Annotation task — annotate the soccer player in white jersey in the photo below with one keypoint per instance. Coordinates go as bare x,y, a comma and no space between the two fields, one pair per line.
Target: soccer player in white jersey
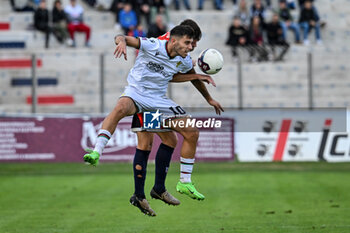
157,63
169,141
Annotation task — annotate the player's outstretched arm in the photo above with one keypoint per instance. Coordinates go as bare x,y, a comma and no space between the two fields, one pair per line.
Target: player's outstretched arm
122,41
179,78
199,85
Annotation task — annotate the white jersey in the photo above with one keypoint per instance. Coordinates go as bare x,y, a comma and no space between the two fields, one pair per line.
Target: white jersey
154,68
74,13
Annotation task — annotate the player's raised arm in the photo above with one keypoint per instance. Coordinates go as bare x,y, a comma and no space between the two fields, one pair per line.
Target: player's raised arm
199,85
122,41
179,77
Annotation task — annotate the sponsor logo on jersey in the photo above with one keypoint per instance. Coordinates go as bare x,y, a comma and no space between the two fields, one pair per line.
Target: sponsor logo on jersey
152,66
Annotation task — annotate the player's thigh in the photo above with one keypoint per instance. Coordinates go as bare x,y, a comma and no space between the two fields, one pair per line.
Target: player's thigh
125,107
144,140
168,138
185,126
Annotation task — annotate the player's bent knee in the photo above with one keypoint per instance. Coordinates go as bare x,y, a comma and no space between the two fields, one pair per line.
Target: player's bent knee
170,142
144,146
191,135
169,139
144,141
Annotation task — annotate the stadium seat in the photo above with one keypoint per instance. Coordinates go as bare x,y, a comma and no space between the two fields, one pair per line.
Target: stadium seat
42,81
54,99
17,63
4,26
12,45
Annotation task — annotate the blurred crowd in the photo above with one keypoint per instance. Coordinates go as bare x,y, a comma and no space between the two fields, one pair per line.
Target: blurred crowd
262,38
136,18
251,31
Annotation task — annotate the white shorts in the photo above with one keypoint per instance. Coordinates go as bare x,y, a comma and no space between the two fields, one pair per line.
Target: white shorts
145,103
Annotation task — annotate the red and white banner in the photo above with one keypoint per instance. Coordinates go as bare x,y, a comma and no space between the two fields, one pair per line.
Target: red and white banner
64,139
293,140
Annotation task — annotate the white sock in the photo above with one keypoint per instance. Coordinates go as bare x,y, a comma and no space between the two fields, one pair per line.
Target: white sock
186,168
102,140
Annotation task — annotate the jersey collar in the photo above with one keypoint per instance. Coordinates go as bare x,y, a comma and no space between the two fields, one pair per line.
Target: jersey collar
167,52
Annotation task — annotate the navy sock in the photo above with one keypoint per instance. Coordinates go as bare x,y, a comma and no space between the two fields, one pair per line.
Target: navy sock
140,166
163,158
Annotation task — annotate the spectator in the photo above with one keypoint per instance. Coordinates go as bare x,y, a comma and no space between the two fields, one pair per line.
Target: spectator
41,21
243,13
301,5
74,14
186,2
302,2
91,3
158,7
29,5
158,28
217,4
128,18
59,21
258,9
116,7
287,22
142,9
290,4
309,19
234,2
237,36
256,39
138,32
275,38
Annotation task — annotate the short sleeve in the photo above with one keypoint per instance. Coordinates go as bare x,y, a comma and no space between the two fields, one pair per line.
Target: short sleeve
148,44
187,65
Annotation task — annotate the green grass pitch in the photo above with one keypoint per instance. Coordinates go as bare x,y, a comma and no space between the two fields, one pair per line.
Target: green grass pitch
240,197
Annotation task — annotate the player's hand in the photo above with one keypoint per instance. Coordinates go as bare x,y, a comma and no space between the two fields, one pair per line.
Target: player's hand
216,105
120,50
207,79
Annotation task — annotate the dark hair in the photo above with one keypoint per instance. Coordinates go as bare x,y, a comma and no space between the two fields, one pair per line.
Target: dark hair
195,27
182,30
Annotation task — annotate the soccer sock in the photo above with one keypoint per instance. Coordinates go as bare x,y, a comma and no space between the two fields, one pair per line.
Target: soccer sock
140,166
102,140
163,158
186,168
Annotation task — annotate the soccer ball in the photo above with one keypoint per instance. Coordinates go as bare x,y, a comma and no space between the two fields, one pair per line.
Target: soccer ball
210,61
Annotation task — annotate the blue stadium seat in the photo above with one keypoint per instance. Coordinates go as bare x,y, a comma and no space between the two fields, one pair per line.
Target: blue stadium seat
12,45
28,81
